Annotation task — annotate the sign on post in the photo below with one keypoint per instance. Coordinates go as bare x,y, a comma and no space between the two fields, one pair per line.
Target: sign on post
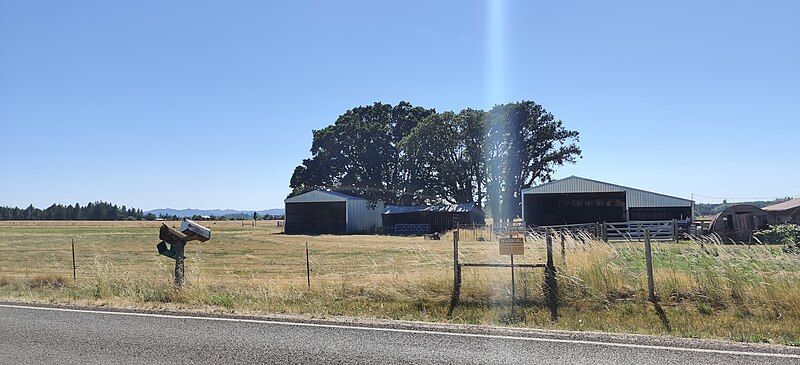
512,246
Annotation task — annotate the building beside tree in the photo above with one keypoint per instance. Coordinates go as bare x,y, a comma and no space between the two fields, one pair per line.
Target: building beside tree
325,211
422,219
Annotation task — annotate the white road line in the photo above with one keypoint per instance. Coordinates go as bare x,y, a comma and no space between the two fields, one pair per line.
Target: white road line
426,332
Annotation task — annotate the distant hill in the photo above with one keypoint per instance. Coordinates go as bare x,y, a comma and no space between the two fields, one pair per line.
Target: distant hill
231,213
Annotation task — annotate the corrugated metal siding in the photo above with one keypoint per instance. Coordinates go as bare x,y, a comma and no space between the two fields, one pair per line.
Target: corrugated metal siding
319,196
636,198
363,216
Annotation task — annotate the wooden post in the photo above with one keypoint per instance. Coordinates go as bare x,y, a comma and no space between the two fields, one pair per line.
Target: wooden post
308,268
550,284
597,231
456,276
648,257
74,268
605,232
455,256
563,248
179,273
675,231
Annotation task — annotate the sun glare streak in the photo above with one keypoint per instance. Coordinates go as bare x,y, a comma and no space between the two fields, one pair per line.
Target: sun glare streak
495,72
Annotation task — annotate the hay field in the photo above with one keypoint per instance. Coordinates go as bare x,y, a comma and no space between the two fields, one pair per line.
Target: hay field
744,293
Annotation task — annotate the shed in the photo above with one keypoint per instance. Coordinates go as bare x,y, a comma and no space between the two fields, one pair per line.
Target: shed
738,222
576,199
324,211
786,212
417,219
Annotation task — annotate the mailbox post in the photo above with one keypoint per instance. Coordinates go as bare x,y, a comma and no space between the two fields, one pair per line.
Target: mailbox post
173,244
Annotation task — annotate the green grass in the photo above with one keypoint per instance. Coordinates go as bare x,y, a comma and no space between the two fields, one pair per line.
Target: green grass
742,293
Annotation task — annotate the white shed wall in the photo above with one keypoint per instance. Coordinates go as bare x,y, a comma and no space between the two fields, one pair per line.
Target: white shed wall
362,216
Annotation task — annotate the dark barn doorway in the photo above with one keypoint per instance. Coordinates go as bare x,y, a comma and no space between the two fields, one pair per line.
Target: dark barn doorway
571,208
316,218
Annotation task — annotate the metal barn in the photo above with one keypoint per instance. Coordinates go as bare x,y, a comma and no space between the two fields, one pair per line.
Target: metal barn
418,219
329,212
576,199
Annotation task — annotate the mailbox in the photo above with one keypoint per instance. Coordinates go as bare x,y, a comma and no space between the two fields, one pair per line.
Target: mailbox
171,235
194,231
172,242
167,250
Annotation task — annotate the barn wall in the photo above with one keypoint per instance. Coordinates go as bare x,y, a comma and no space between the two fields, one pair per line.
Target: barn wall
363,216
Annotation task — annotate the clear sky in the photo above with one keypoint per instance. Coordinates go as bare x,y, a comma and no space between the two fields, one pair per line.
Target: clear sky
211,104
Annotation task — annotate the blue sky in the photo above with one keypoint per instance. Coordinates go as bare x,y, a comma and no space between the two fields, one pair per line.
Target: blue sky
211,104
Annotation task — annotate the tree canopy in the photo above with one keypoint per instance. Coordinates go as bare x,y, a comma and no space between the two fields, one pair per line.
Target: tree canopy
413,155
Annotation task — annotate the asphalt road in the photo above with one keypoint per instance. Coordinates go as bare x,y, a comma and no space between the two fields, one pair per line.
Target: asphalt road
30,335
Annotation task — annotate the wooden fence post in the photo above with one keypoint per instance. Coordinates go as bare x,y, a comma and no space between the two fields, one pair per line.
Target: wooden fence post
563,248
675,230
179,264
648,257
597,234
550,284
456,276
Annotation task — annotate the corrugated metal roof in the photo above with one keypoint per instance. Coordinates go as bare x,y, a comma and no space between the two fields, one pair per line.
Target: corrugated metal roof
787,205
450,208
636,198
321,195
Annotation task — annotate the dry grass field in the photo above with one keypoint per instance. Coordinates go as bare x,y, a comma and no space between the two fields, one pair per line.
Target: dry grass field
743,293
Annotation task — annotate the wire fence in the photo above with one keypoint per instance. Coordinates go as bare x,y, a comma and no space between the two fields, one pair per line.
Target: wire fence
261,259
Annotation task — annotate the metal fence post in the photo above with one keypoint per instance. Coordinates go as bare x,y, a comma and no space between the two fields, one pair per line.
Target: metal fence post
308,268
513,289
648,256
74,268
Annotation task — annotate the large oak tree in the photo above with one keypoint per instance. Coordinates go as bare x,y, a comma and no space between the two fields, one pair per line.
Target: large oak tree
411,155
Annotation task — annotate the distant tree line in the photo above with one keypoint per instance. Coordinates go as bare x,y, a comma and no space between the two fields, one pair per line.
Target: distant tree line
97,211
710,209
413,155
102,211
